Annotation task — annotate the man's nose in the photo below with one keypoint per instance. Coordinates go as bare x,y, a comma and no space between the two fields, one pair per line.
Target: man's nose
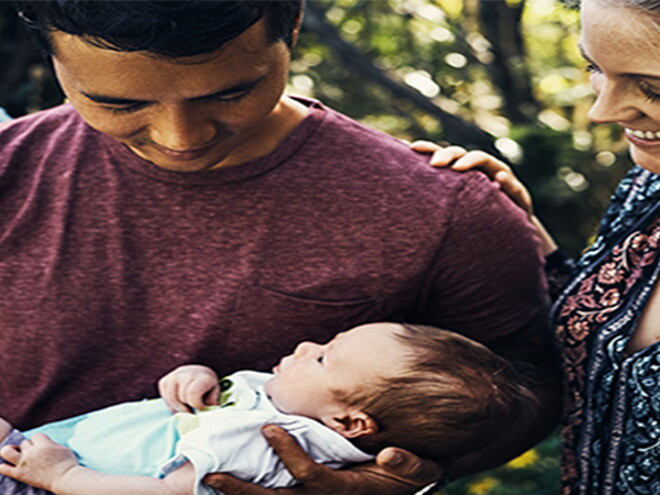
182,128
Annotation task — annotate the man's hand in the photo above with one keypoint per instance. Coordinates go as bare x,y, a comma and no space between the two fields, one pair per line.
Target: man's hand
396,472
189,387
38,462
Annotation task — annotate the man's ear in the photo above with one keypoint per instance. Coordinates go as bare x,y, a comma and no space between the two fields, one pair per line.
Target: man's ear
352,424
298,25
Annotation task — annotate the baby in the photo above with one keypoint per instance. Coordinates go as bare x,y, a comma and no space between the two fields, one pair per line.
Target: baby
430,391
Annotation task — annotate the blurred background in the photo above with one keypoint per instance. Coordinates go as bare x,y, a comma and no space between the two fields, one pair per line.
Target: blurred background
500,75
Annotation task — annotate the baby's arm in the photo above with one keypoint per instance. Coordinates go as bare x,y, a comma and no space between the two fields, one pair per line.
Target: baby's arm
42,463
191,386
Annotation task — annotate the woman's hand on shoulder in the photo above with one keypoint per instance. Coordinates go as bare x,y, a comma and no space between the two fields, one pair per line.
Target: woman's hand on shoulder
395,472
461,160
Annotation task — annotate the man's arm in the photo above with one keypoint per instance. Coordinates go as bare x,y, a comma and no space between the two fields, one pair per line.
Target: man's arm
533,352
395,472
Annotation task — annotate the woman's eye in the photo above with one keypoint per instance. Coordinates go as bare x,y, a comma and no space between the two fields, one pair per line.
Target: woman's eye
651,94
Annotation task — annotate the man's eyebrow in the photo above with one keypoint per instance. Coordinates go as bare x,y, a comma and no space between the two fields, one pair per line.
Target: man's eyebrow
113,100
110,100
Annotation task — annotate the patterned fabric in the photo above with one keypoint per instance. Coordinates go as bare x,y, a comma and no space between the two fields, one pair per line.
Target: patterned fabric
611,430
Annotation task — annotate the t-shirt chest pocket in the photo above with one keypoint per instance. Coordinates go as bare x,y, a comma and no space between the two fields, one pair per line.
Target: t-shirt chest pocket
272,323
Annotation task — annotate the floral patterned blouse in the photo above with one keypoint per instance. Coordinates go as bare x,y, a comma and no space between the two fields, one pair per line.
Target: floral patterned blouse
611,431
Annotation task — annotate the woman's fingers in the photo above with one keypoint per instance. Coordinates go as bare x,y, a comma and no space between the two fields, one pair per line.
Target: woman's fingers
443,153
422,146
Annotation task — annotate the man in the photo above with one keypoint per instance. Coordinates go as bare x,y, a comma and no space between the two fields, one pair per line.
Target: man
183,209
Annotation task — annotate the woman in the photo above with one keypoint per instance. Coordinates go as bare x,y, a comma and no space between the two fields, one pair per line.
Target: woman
607,314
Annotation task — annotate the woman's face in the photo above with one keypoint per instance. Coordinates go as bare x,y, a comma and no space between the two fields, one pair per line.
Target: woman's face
622,47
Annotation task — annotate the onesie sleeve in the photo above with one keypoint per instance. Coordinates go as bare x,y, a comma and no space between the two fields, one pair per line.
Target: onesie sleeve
487,278
230,441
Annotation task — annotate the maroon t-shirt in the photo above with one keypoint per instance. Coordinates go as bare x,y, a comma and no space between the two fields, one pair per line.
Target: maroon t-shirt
114,271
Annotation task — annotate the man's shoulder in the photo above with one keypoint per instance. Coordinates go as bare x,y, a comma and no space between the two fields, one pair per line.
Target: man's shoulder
344,145
347,135
40,124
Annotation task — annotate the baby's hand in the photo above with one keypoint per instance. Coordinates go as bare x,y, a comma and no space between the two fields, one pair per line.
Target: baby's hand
190,387
38,462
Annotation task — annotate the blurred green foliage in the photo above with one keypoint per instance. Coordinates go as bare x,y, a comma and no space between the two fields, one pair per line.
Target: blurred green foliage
449,52
533,473
509,69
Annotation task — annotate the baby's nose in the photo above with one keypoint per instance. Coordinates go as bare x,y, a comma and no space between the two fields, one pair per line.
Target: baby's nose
303,349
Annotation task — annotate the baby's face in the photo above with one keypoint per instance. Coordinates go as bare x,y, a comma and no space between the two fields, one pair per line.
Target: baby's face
306,382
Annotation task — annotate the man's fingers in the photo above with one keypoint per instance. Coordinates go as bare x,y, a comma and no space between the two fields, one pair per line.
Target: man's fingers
232,486
407,466
296,460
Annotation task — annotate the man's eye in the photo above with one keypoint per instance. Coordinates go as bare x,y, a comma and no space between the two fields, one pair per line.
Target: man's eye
231,97
127,109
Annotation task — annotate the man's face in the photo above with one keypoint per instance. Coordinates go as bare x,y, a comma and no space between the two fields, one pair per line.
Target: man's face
190,114
307,382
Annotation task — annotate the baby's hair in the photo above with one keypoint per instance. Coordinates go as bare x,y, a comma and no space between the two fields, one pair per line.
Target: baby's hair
456,397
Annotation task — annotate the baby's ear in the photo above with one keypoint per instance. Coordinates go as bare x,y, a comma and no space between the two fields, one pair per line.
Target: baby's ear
352,424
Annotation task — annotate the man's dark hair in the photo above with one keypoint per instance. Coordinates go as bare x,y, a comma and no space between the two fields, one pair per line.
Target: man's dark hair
166,28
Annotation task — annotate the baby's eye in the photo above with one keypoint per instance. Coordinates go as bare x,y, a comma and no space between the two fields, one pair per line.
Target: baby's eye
320,359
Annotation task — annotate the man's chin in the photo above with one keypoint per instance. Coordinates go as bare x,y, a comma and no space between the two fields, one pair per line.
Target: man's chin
188,167
202,164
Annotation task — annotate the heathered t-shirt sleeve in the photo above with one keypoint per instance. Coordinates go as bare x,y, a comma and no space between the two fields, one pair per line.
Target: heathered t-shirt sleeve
486,280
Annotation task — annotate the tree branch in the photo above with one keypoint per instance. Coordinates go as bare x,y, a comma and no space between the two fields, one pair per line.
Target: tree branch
456,129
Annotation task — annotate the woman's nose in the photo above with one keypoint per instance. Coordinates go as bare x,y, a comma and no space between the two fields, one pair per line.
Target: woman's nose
615,102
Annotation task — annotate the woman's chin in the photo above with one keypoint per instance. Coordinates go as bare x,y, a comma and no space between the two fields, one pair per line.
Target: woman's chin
650,160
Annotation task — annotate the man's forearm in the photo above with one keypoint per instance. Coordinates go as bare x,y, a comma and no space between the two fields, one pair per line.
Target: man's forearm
533,352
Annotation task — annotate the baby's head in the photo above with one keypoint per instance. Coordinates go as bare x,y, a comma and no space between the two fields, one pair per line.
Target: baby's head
430,391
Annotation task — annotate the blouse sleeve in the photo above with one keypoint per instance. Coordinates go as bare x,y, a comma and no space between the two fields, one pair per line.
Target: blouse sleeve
559,270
